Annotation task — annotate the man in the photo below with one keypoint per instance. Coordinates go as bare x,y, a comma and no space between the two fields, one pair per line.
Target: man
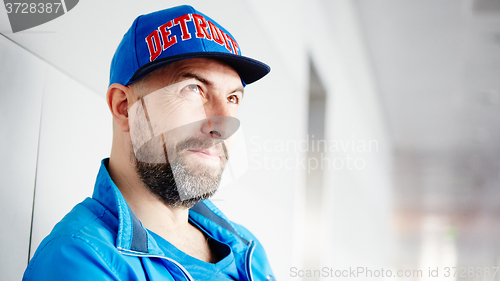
176,80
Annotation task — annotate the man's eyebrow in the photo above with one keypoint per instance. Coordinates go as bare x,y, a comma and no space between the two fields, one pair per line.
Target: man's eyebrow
240,89
197,77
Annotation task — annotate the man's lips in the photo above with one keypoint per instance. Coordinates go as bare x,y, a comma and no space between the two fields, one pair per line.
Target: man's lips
209,153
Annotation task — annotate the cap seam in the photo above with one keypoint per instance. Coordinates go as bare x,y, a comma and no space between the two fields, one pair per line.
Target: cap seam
193,11
135,46
202,41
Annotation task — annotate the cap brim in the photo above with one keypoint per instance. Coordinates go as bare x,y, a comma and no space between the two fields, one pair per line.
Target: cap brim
250,70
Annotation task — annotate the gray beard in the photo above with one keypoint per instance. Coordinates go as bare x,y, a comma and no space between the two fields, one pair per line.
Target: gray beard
178,184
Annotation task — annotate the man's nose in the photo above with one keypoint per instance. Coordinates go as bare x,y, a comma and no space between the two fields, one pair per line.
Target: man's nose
222,127
217,107
220,124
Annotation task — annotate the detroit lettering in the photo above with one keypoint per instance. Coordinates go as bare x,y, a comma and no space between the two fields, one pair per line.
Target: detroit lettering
204,29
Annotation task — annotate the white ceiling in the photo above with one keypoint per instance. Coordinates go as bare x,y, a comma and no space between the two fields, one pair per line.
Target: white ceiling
438,68
437,63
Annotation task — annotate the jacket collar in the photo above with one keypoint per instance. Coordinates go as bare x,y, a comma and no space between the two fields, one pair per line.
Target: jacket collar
133,238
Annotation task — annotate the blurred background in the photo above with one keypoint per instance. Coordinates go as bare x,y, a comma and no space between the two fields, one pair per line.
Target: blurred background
372,145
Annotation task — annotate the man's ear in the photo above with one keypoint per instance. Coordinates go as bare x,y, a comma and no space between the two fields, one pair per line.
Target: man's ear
118,98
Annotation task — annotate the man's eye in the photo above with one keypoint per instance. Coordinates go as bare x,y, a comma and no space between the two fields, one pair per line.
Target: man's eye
234,99
193,87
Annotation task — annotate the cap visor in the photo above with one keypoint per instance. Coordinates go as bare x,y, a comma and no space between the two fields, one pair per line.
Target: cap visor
250,70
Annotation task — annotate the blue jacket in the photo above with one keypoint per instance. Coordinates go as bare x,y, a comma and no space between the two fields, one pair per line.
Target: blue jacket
101,239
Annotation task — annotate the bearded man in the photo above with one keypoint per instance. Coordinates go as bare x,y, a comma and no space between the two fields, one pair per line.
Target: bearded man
177,79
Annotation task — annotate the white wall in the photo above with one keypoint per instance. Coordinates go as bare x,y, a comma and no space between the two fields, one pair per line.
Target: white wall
357,203
267,199
53,135
75,134
20,112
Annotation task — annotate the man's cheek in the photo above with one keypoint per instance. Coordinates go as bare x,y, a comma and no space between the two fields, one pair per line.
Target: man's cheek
228,144
169,112
171,117
140,132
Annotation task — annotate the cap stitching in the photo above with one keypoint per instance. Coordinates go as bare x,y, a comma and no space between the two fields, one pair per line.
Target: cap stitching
135,45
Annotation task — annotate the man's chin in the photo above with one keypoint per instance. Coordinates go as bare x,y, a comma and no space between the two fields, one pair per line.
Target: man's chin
207,172
188,203
180,185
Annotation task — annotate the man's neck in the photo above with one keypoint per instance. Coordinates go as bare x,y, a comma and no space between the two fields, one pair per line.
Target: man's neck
151,211
170,223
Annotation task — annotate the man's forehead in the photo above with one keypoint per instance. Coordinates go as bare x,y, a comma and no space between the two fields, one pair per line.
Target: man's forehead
205,70
200,66
201,69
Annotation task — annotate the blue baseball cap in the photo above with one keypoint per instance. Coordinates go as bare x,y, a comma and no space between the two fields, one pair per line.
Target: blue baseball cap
160,38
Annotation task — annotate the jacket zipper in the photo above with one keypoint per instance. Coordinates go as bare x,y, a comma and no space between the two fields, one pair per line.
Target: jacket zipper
186,273
248,260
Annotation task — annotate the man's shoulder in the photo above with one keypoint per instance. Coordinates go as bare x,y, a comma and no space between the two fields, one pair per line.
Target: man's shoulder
73,257
85,219
88,222
86,233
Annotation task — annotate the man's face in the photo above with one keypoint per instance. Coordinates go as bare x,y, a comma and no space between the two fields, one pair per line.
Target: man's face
180,126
